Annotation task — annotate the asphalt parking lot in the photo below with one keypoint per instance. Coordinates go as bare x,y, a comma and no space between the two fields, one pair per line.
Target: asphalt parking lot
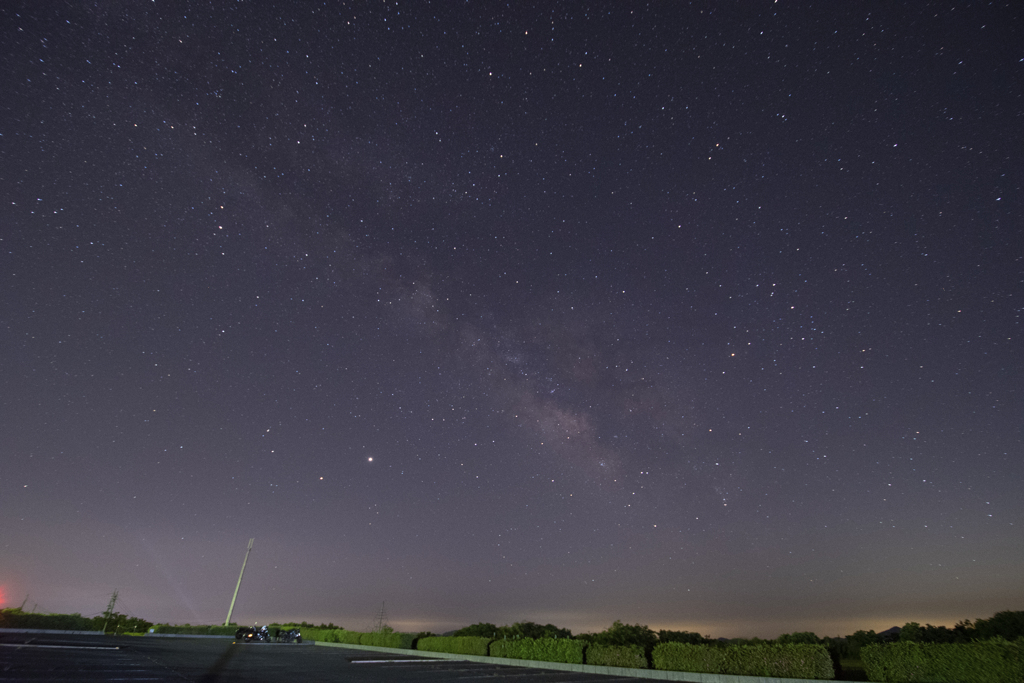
80,658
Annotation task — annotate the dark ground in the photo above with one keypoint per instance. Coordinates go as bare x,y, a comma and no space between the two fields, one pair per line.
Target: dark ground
75,658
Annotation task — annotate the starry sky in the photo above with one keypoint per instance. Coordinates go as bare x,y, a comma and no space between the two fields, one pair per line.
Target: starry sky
702,315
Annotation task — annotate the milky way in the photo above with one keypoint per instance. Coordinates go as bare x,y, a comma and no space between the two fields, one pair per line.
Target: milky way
695,316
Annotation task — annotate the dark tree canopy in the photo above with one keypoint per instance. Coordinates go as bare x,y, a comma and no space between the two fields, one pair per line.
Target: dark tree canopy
683,637
520,629
624,634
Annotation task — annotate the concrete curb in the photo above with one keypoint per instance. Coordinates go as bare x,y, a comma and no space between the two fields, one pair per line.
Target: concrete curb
654,674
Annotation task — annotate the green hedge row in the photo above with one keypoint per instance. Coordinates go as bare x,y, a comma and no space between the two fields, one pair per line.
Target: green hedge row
990,661
540,649
458,645
188,629
340,635
777,661
629,656
15,618
781,661
403,641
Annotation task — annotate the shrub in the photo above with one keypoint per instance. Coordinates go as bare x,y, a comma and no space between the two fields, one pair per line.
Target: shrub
459,645
629,656
540,649
705,659
198,630
340,635
777,661
223,630
392,639
529,629
990,661
15,618
520,629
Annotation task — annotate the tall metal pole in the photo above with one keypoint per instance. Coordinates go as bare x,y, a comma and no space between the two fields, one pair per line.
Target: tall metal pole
239,584
109,612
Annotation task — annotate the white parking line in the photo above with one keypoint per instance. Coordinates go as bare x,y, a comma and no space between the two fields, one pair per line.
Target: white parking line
62,647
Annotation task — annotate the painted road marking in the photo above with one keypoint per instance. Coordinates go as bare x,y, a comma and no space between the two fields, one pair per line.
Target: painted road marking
63,647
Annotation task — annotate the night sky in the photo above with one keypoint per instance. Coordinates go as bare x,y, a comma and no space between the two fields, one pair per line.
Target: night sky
705,316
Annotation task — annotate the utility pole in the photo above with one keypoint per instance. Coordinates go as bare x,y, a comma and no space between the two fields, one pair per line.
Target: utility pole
382,620
109,611
239,584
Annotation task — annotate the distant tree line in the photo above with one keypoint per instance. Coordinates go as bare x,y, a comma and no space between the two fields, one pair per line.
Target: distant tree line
520,629
14,617
306,624
617,634
1008,625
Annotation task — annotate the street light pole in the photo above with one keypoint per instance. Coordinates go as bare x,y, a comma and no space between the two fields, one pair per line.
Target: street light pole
239,584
